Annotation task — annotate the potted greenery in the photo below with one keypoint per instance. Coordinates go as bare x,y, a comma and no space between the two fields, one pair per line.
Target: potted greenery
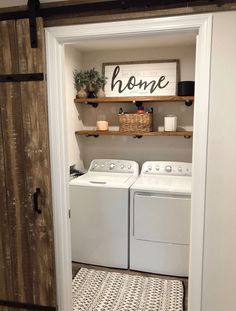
96,81
80,83
89,83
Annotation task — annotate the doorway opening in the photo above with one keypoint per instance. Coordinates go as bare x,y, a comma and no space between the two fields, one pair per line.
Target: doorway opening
91,244
64,41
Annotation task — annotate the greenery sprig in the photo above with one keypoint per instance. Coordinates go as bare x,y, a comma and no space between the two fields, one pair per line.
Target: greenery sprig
91,80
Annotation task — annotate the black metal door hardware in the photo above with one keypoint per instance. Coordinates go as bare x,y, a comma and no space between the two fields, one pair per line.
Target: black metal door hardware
22,77
33,6
27,306
103,7
36,201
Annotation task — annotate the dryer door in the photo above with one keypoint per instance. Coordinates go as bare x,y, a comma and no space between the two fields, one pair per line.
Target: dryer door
162,218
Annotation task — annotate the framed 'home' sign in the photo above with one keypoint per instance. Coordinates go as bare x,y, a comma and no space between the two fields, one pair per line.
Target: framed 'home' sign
146,78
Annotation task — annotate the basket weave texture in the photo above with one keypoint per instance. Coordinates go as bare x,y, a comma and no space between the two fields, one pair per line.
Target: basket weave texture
136,122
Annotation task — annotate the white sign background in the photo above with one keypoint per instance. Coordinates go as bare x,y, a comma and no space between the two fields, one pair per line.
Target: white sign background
145,71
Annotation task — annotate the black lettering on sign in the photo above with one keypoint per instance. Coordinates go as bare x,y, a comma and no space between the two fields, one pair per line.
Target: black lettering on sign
162,78
132,82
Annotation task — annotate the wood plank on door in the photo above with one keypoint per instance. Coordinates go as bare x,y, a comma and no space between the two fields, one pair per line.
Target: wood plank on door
8,48
30,60
5,255
37,168
8,64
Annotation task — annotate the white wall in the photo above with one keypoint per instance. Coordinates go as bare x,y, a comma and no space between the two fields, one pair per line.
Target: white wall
73,60
147,148
219,287
186,55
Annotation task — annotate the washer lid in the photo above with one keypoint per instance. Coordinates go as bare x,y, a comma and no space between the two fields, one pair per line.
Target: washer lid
164,183
104,179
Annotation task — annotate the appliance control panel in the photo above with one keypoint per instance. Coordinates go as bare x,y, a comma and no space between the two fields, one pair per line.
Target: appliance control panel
114,166
167,168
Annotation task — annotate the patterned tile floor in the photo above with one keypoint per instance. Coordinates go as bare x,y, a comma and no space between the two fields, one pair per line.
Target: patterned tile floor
76,266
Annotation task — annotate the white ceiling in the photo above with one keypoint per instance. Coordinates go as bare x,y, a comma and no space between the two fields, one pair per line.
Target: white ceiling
140,41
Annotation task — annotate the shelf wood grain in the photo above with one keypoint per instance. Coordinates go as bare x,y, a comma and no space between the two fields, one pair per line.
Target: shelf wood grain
135,99
118,133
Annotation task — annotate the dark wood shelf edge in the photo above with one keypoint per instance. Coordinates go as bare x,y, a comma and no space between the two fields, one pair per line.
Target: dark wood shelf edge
118,133
135,99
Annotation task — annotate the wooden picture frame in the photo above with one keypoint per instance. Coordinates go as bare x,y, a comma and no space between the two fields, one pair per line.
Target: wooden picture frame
141,78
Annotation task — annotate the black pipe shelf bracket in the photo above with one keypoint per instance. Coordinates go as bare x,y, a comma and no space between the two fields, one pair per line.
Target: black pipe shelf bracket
94,105
92,135
33,7
188,103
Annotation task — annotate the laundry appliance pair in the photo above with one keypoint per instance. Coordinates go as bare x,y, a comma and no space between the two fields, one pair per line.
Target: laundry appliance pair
125,220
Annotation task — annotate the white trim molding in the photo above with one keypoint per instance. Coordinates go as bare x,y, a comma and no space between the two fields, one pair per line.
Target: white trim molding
56,37
200,147
59,171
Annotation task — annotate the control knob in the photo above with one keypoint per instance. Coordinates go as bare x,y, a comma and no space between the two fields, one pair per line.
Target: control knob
129,167
112,165
168,168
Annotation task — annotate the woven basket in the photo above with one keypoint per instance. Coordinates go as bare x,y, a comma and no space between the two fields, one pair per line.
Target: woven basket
136,122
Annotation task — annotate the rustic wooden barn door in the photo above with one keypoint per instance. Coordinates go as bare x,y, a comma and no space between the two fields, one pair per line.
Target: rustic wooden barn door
27,274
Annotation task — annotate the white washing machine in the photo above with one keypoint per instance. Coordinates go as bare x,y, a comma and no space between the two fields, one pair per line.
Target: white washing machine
100,213
160,203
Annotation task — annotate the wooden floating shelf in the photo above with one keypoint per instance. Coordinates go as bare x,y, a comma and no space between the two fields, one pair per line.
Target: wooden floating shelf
135,99
136,134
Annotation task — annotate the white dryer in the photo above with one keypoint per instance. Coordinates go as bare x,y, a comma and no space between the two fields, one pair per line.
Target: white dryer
100,213
160,203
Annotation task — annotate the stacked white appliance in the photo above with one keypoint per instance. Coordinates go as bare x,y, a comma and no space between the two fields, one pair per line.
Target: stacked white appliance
160,207
100,213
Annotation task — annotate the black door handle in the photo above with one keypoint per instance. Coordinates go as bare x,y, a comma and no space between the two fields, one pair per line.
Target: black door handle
36,203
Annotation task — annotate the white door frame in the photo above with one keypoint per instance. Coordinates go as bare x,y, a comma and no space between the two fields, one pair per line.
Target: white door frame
56,37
